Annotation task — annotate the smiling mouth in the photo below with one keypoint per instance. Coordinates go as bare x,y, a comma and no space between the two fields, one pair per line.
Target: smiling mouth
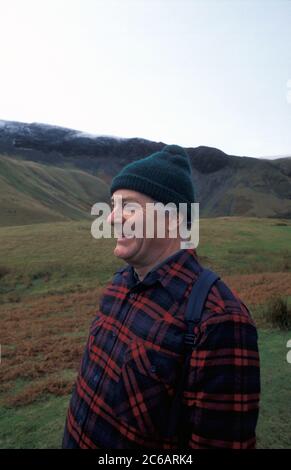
126,238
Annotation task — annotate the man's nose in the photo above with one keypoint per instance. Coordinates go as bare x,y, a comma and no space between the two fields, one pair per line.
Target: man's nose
115,216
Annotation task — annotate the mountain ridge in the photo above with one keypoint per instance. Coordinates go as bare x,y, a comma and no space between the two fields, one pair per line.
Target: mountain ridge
225,185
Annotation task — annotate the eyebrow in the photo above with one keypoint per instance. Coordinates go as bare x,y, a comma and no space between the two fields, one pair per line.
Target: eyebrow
124,199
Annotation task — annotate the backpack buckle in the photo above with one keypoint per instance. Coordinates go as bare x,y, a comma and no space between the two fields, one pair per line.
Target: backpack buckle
190,340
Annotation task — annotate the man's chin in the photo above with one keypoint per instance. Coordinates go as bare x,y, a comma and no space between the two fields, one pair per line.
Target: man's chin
124,248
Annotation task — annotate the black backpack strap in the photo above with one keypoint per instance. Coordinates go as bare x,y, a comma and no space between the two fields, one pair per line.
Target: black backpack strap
196,303
193,316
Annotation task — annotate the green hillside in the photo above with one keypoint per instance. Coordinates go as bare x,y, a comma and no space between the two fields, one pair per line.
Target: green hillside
33,192
225,185
245,187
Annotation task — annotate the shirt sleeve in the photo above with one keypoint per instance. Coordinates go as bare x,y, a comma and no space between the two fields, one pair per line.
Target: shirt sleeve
222,390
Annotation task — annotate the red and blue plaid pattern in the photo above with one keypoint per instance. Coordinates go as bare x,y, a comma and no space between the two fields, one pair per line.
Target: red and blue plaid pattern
133,356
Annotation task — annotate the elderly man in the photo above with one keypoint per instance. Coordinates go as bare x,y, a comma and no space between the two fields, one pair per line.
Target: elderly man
134,355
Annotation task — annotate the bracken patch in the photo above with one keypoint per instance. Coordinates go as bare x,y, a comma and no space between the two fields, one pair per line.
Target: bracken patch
45,336
42,337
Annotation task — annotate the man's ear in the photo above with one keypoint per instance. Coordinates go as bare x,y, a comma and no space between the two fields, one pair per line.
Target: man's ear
175,221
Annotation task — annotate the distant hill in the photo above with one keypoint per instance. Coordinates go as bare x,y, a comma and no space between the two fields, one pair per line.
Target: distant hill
54,173
33,192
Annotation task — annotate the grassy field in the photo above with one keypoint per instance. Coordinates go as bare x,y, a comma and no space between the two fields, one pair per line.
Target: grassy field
51,279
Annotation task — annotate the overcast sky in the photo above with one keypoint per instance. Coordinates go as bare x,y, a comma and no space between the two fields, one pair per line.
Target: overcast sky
186,72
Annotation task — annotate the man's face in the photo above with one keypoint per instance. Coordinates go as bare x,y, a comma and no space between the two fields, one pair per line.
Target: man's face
134,250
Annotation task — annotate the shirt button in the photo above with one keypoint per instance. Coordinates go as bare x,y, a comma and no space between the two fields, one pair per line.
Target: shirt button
132,295
113,334
153,369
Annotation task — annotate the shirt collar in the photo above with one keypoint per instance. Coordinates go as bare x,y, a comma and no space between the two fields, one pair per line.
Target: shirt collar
175,273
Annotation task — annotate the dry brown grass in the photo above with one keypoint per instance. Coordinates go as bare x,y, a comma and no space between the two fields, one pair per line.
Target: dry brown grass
42,338
258,288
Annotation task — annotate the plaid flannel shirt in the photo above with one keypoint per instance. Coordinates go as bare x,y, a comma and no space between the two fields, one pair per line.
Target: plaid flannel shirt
134,352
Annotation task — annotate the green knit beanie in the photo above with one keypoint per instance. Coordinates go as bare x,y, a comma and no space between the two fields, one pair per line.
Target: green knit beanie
165,176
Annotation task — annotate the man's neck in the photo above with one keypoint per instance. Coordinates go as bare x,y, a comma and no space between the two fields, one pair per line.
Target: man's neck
142,271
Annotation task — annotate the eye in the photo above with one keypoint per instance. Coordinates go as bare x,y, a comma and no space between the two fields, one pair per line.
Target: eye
129,206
